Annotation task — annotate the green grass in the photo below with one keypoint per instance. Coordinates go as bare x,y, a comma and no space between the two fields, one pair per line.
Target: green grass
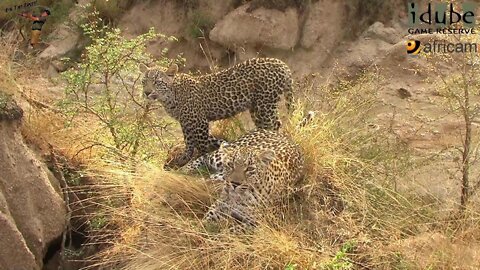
199,25
341,261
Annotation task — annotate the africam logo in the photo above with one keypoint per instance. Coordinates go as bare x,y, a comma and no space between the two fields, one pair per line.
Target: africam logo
414,47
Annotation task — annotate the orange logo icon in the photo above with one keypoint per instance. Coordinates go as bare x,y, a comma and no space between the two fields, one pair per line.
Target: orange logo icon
413,46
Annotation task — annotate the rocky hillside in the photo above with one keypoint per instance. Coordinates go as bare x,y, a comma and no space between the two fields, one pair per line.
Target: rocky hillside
308,36
32,210
311,36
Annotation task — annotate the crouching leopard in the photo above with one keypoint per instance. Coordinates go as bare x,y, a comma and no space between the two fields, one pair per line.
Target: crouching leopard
255,85
257,171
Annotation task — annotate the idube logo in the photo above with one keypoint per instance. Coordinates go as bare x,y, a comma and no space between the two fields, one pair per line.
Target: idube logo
441,18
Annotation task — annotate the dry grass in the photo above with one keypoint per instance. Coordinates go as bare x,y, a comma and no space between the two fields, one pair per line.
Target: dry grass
344,201
8,42
163,230
345,214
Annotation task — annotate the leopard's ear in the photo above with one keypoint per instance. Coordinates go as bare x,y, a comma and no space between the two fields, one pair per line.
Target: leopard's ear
143,68
266,157
172,70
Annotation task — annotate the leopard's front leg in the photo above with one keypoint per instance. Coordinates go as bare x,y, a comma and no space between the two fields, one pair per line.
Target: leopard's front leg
189,137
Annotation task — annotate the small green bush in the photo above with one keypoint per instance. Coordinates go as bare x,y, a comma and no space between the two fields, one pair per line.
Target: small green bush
106,86
341,261
200,25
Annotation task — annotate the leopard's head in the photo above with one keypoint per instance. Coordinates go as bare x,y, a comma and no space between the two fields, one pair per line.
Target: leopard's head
157,83
241,167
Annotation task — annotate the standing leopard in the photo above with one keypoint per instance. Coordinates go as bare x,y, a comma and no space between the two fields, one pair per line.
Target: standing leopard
255,85
257,171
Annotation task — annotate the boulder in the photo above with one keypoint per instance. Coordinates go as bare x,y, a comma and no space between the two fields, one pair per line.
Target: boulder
9,110
66,42
32,211
380,32
264,27
323,25
214,9
164,16
59,66
66,38
14,251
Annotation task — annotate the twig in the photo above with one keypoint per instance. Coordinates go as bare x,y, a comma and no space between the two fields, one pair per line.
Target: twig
85,148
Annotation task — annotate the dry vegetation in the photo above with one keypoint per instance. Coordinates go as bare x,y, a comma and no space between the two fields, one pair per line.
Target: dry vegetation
346,214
